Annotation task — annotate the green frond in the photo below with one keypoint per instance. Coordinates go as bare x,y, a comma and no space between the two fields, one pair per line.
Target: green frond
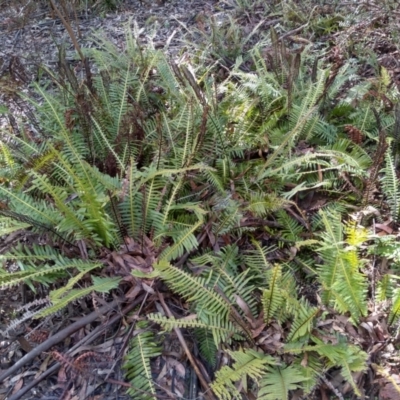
34,210
394,314
193,289
311,372
257,259
390,186
207,346
261,204
350,358
229,215
9,225
248,363
131,205
353,361
34,253
222,330
291,229
224,274
344,355
272,298
385,288
183,241
142,348
41,264
347,152
43,275
342,281
303,322
279,380
101,138
176,186
302,119
101,285
59,196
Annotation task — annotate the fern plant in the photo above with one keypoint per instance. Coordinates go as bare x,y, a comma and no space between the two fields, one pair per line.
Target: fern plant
344,285
390,186
142,348
203,176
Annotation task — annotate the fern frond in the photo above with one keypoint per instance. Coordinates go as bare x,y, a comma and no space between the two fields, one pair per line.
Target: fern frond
272,298
222,331
9,225
348,357
102,285
384,289
291,229
257,259
302,324
193,288
340,276
394,314
390,186
207,346
184,241
278,381
260,204
248,363
142,348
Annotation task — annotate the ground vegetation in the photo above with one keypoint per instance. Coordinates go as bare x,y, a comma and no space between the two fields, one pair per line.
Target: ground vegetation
225,219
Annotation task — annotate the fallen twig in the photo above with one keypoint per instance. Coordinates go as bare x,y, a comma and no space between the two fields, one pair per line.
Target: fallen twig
58,337
85,341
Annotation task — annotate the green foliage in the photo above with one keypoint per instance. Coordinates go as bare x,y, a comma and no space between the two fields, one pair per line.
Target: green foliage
348,357
278,382
344,286
390,186
247,363
142,348
395,310
209,180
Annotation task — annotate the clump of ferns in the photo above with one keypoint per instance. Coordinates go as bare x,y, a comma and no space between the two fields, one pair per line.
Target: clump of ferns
223,292
156,199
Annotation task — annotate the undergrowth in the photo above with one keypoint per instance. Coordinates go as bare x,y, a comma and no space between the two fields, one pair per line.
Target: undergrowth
229,188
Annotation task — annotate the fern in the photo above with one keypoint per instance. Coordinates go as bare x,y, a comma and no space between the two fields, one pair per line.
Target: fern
348,357
395,309
273,298
247,364
343,283
278,381
207,346
221,330
62,298
44,273
302,324
291,229
193,289
194,173
142,348
390,186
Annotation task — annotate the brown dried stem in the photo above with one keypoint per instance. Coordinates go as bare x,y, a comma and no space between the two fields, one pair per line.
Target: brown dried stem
69,30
